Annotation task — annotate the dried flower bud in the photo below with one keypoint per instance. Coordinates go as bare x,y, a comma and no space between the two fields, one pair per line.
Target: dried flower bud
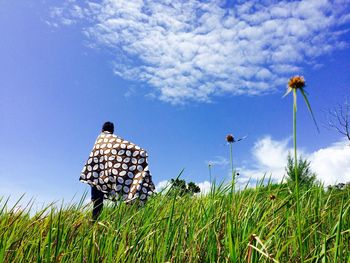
296,82
229,138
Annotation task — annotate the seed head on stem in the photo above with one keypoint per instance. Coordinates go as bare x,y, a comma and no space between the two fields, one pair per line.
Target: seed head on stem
230,138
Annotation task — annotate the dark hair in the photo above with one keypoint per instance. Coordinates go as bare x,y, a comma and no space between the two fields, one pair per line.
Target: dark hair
108,126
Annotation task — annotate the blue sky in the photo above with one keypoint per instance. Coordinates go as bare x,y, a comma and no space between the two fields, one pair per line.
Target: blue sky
175,79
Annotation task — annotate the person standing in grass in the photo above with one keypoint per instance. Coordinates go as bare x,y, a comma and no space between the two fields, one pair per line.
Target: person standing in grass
116,169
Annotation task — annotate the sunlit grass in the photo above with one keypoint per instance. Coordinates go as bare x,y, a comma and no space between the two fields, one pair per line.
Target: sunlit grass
187,229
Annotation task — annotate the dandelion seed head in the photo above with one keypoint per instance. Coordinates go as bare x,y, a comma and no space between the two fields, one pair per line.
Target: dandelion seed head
230,138
296,82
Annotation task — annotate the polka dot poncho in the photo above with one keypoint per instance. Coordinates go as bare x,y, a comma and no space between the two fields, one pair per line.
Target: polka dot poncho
119,169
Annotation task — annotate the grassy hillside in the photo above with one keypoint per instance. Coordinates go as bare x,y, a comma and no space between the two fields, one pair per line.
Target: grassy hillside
256,225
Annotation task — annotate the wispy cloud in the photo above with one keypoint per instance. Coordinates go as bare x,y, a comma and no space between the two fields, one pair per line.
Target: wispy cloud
218,161
165,185
331,164
193,50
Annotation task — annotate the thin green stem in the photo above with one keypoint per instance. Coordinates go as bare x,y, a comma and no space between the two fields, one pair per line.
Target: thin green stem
297,194
232,172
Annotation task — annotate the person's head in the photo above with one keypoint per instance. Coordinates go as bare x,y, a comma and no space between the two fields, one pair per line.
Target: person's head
108,126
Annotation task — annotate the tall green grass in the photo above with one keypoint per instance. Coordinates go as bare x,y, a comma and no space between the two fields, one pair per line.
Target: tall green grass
186,229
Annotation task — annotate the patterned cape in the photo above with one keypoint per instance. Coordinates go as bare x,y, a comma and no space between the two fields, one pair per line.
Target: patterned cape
119,169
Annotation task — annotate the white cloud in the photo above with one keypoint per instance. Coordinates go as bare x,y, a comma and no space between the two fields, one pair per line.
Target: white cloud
165,185
193,50
205,187
162,185
331,164
218,161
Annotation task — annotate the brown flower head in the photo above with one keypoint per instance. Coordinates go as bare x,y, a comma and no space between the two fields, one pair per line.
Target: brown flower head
272,197
296,82
229,138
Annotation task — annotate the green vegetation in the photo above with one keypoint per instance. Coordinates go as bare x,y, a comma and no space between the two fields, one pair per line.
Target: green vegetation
306,177
180,187
170,228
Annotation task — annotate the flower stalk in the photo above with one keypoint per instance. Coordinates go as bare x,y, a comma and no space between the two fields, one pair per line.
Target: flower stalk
298,83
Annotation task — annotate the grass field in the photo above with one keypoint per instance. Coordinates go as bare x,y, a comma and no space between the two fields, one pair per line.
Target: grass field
255,225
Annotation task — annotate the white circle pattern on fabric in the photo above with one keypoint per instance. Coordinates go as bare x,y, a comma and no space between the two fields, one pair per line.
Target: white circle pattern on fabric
128,182
112,179
116,165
